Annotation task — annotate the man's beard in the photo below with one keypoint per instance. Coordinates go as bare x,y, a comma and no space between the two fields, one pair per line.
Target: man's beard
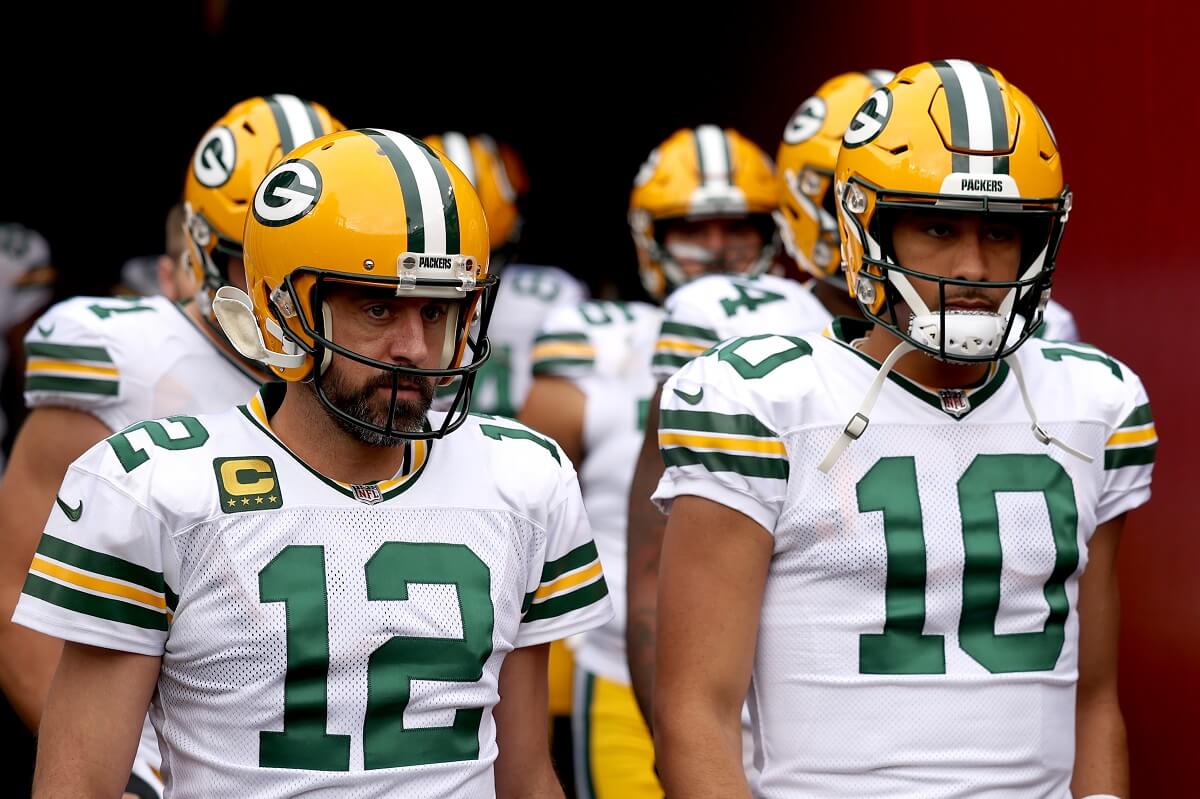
363,403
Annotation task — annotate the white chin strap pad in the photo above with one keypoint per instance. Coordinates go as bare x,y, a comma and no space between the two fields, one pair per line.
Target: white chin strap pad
235,315
966,333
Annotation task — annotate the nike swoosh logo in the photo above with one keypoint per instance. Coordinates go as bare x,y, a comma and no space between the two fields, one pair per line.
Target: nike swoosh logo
690,399
46,331
72,513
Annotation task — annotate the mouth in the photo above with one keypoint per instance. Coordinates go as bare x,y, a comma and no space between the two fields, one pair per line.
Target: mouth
970,306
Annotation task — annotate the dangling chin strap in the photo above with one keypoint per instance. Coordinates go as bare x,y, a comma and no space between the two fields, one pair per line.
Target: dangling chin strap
1038,432
858,423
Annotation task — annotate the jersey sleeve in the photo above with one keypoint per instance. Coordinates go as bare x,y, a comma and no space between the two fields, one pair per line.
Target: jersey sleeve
99,574
564,347
716,441
1128,453
687,331
566,592
73,360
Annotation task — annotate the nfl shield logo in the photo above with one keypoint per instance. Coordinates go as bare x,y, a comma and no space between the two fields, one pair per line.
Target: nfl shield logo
954,401
368,494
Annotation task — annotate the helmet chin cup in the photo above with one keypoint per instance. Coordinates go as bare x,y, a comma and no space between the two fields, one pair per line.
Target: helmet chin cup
235,314
967,335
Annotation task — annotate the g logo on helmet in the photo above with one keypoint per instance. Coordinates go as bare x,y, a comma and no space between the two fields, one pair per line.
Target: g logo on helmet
806,122
870,119
215,157
289,192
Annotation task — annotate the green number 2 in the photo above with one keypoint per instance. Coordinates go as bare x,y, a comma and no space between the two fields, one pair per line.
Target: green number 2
296,577
132,457
891,486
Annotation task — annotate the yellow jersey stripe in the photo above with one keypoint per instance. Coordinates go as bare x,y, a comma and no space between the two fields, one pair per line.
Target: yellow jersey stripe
107,587
759,445
568,581
671,344
48,366
1144,436
563,350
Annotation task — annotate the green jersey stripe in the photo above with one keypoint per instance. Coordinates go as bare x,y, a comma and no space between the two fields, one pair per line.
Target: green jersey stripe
1138,417
687,331
98,606
73,385
579,556
73,352
572,337
741,424
745,465
566,603
99,563
553,365
1135,456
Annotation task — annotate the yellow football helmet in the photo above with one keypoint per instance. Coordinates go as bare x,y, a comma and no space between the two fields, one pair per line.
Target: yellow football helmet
373,208
953,136
480,159
804,166
699,173
227,166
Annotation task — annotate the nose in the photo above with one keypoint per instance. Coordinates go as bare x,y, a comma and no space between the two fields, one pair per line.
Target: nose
969,257
406,336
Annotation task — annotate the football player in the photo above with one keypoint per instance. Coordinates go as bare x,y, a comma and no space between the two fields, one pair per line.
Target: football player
725,306
700,204
330,589
883,533
97,365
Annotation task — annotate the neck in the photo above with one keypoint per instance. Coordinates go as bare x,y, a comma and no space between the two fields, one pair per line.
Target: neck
920,367
192,311
303,424
837,301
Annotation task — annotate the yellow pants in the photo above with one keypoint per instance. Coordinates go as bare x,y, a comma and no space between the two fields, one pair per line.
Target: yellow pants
614,754
559,670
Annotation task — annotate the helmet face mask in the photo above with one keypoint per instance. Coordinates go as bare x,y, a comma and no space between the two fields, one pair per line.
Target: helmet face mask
374,209
458,340
896,160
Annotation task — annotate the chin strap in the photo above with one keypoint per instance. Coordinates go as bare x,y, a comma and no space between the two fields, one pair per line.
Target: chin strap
1039,433
859,421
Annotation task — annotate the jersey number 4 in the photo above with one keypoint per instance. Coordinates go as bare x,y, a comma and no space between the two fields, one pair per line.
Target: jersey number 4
902,648
296,577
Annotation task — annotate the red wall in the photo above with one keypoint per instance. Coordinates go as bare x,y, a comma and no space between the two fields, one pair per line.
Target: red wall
1120,91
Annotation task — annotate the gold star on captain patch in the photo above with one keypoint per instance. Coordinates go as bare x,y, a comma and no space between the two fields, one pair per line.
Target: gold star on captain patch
246,501
259,500
273,499
233,503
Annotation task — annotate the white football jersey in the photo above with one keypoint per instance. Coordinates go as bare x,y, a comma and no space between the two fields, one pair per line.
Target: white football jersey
605,349
125,360
526,297
318,637
1058,324
918,634
717,307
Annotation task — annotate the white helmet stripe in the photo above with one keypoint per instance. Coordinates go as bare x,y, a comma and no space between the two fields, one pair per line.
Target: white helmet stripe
434,215
459,149
979,114
295,125
714,155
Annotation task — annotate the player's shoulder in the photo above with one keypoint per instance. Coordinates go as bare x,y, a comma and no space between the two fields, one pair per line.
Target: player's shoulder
175,466
592,337
1084,379
547,284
